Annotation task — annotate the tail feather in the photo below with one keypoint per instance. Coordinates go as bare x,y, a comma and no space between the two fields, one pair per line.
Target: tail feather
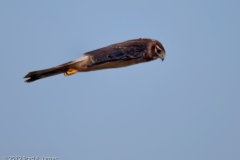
35,75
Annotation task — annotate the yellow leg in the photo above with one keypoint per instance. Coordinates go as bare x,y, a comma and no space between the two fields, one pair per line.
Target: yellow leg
70,72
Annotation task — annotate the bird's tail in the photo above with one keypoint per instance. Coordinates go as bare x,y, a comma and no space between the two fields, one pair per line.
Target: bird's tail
35,75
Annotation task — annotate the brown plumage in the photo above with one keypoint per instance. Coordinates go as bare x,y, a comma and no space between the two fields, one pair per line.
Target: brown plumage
117,55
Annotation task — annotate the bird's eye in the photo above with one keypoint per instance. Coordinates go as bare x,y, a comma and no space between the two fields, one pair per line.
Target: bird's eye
158,51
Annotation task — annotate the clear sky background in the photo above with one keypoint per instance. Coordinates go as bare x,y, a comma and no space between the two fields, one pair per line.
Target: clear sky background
184,108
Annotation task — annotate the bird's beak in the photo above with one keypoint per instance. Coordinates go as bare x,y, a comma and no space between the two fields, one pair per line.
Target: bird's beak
161,56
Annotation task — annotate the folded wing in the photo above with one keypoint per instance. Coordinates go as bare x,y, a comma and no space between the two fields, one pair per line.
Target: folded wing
118,52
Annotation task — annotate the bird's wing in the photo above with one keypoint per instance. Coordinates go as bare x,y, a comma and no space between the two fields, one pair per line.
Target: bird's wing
118,52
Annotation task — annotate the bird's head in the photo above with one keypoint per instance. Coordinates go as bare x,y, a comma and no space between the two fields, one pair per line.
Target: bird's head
158,50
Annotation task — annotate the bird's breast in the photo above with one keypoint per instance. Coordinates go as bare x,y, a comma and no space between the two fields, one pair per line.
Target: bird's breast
115,64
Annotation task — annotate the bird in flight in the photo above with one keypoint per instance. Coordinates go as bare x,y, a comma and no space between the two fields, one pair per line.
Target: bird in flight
114,56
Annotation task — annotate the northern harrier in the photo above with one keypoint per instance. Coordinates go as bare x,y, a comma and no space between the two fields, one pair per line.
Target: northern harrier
117,55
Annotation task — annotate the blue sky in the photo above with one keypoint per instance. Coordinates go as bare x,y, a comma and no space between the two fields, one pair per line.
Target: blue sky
185,108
